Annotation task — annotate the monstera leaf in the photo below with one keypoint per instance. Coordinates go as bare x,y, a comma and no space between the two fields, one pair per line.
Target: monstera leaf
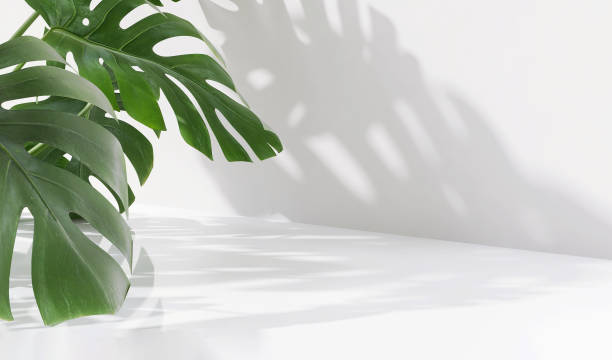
71,275
106,54
136,146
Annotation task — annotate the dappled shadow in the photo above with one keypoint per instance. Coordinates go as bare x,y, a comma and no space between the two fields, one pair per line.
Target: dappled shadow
372,144
236,275
206,284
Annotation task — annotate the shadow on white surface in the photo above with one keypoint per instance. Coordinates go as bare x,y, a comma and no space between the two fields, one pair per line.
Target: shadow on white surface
372,143
203,285
238,274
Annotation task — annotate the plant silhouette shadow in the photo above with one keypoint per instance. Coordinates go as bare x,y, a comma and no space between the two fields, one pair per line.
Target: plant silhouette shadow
373,144
228,276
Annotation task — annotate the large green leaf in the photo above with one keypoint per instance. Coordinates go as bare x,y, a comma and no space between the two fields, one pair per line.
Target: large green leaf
103,51
71,275
135,145
24,49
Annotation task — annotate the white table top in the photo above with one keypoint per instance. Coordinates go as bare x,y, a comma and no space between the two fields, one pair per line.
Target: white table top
239,288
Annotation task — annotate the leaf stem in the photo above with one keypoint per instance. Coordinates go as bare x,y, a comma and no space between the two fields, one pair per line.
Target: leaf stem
22,29
85,109
36,149
26,25
18,67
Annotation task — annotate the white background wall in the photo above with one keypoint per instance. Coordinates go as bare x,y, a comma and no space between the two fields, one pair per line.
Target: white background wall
474,121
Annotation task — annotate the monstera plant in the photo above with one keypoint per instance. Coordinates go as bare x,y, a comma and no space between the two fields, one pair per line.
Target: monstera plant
49,149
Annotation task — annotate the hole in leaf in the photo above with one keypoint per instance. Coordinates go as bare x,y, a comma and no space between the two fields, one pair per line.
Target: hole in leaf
193,100
20,288
136,15
100,241
94,4
189,95
181,45
102,189
225,90
7,105
71,62
85,22
235,134
32,64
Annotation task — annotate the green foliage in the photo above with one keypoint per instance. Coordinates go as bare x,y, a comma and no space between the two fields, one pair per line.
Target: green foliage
103,51
71,275
117,70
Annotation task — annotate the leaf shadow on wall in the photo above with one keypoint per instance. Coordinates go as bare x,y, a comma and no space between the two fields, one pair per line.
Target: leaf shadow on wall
372,145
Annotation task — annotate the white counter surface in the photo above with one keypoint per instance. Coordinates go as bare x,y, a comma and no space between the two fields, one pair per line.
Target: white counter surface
240,288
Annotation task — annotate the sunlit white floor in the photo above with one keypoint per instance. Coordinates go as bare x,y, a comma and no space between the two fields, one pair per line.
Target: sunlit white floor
239,288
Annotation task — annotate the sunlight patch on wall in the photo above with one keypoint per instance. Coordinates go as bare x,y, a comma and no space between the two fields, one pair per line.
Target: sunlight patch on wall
260,79
365,18
295,9
288,163
334,155
332,11
450,113
417,132
297,115
302,36
455,200
387,150
226,4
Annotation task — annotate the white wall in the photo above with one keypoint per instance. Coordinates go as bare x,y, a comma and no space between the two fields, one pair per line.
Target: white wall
473,121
